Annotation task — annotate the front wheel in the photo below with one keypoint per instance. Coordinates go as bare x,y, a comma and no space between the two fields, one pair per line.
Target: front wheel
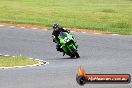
76,54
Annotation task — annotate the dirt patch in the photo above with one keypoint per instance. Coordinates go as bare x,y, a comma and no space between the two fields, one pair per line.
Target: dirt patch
23,25
42,27
88,30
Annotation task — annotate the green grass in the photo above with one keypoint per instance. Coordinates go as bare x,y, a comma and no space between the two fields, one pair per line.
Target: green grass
15,61
106,15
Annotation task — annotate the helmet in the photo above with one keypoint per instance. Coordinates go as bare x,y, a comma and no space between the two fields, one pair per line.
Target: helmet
56,27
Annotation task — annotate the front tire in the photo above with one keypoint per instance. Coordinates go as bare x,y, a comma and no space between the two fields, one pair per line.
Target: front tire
75,52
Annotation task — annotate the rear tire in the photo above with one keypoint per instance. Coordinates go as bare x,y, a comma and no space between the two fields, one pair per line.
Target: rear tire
71,55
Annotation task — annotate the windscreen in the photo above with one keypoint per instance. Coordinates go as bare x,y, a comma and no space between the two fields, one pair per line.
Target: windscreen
63,34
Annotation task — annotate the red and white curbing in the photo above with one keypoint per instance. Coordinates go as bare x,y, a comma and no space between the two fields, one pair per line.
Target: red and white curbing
12,26
46,30
40,62
34,28
84,32
97,33
114,34
22,27
1,25
72,31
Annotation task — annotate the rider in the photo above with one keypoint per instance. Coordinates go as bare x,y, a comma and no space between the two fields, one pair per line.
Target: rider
56,31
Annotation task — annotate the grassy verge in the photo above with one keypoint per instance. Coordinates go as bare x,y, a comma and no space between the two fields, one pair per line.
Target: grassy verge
15,61
103,15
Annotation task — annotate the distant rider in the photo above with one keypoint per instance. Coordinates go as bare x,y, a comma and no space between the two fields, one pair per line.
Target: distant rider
56,31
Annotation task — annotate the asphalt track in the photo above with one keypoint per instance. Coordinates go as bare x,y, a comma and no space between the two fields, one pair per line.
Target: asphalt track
100,53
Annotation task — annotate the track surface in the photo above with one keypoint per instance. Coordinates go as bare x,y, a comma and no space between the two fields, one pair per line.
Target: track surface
99,54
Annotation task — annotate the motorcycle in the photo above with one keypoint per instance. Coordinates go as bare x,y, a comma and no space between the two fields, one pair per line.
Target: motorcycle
68,44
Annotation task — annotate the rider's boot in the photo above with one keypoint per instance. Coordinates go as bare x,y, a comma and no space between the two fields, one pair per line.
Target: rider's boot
64,53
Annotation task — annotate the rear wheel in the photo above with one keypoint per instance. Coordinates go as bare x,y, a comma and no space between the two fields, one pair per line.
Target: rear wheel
72,56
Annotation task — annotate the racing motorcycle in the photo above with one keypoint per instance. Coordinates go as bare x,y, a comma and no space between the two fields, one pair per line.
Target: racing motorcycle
68,44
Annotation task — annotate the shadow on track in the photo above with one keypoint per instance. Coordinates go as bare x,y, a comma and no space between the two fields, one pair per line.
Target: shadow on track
67,58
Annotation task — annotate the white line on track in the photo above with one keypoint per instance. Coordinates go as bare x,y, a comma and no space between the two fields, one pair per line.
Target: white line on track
22,27
44,29
34,28
72,31
6,55
84,32
97,33
1,25
40,62
12,26
47,30
114,34
13,56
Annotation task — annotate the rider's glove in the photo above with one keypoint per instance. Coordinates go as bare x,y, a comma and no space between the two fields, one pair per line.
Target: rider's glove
54,40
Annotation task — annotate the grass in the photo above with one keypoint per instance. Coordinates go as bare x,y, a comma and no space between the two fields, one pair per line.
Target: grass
106,15
15,61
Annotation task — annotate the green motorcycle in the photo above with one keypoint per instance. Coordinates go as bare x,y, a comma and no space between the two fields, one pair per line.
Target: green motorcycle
68,44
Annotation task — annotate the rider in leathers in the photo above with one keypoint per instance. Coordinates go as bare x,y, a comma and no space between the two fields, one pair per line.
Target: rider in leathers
56,31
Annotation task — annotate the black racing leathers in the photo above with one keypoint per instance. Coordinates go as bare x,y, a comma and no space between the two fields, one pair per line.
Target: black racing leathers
56,39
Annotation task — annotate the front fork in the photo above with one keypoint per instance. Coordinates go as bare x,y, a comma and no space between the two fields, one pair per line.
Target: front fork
75,43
